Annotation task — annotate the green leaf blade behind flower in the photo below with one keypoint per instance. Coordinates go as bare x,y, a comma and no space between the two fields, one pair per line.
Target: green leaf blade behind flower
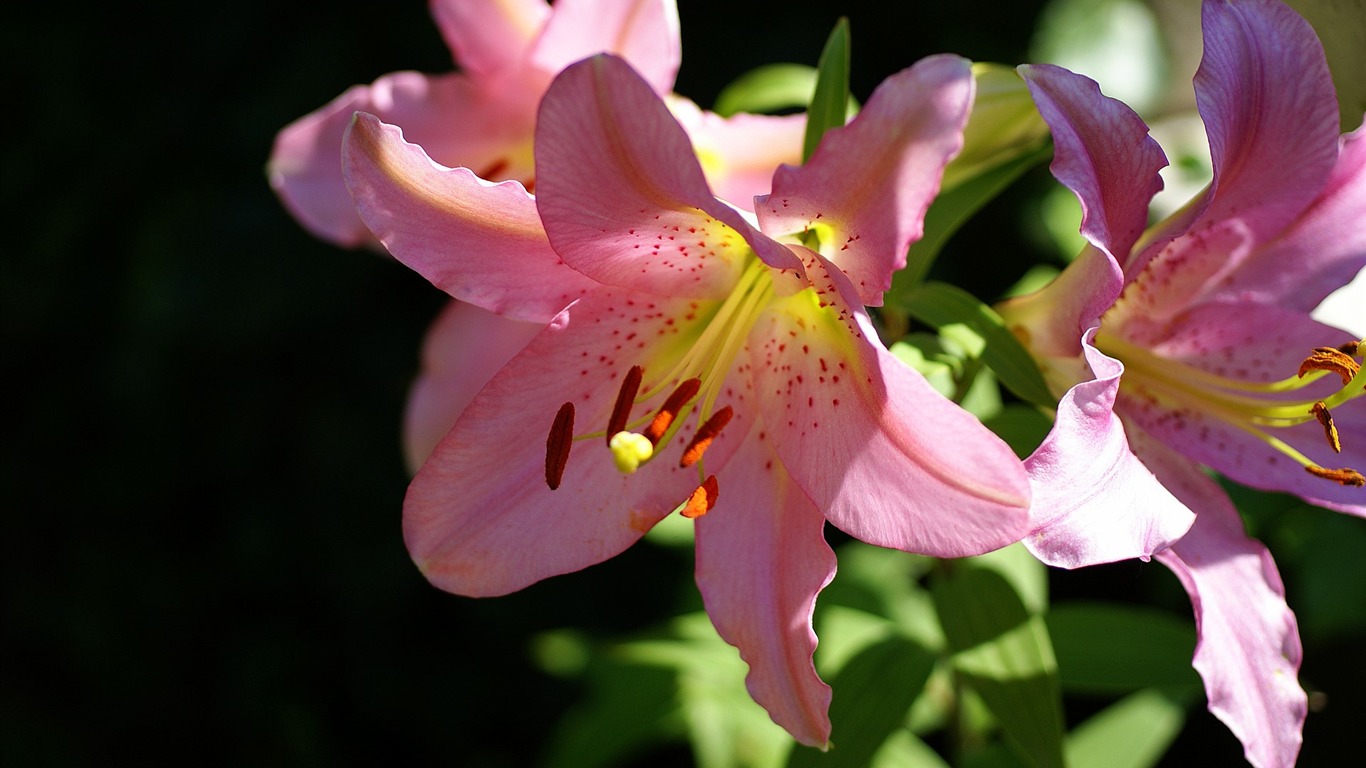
1131,733
1002,652
938,304
829,102
1119,649
872,694
952,208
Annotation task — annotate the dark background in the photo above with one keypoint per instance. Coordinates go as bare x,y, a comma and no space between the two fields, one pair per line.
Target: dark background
201,479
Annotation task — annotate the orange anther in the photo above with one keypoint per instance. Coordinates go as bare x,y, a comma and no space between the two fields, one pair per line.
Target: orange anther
1331,359
1330,430
1345,476
702,500
704,437
666,415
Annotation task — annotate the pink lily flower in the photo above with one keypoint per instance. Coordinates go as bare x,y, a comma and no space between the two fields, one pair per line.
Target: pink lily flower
482,117
696,358
1190,345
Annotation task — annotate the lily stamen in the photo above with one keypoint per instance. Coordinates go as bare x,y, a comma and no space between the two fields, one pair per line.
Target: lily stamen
1345,476
1253,407
1333,359
1330,429
626,397
557,445
692,453
702,500
668,412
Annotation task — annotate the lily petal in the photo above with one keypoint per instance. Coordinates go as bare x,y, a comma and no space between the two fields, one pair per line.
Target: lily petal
916,472
761,560
1267,98
489,37
1094,501
1321,251
1255,342
305,167
1052,320
1248,651
1102,152
464,347
871,181
480,519
622,194
740,152
480,242
644,32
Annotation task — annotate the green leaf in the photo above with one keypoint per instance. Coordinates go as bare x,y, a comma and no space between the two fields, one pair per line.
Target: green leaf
1132,733
1027,576
1003,653
939,304
872,694
725,727
1023,427
628,707
829,102
952,208
903,749
1105,648
1341,26
769,88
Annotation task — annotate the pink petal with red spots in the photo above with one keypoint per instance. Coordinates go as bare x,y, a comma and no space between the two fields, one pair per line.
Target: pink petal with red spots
480,518
622,195
1254,342
890,460
871,181
761,561
482,243
1321,251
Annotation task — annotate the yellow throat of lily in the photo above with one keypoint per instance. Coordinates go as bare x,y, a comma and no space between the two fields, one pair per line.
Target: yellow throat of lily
1260,409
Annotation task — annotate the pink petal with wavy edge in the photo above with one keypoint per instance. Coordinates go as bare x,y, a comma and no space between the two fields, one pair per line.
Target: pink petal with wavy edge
1102,152
622,195
305,166
1267,99
479,242
761,560
1248,651
464,347
489,37
1321,251
740,153
1252,342
644,32
887,458
1094,501
480,518
871,181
